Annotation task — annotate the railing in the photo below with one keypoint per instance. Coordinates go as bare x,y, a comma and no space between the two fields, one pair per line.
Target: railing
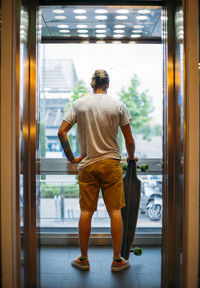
63,166
59,213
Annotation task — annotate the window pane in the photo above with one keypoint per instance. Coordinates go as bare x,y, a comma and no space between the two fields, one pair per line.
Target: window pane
135,78
135,72
59,203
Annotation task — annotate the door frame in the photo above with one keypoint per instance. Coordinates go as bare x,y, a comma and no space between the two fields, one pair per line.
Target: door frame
10,233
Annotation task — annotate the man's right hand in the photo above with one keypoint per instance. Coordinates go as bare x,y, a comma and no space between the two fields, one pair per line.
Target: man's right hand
77,160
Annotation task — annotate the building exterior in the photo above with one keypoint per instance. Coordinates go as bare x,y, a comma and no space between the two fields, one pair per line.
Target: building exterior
58,79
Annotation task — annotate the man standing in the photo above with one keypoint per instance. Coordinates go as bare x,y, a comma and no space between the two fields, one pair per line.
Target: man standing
98,118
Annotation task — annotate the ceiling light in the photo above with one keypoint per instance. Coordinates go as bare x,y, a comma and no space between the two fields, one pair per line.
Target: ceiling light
135,35
117,42
83,35
119,31
79,17
144,11
120,26
100,42
81,26
100,31
62,26
121,17
138,26
101,11
101,17
58,11
79,11
141,17
118,35
59,17
82,31
100,26
64,31
137,31
100,35
122,11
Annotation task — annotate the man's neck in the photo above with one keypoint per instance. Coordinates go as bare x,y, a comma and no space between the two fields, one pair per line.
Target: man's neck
100,91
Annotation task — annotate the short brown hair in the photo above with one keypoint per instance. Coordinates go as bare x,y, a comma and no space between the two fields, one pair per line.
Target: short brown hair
100,79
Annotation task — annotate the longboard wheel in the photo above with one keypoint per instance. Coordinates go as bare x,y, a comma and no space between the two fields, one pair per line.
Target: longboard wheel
144,167
137,251
124,166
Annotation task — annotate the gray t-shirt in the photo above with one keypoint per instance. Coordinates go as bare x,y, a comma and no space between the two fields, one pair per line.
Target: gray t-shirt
98,117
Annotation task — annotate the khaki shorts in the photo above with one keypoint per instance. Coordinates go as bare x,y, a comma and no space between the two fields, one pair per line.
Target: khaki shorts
107,175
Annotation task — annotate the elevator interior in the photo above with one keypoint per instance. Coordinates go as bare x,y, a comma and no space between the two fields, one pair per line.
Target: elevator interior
111,31
33,166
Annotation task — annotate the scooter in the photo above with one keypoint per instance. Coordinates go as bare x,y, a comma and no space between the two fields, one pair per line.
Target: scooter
151,200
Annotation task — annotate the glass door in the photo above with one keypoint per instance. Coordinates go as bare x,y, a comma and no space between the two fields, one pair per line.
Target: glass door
120,41
76,40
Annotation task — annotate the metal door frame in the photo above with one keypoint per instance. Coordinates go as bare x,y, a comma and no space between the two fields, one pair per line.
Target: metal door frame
184,257
181,168
10,150
9,137
29,135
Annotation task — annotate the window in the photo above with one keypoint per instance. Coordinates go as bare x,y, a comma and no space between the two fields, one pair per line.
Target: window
132,71
136,78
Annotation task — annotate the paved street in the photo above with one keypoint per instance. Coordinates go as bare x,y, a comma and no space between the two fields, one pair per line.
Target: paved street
59,213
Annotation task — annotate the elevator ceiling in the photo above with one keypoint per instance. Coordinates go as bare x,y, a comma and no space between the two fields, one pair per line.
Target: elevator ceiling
94,23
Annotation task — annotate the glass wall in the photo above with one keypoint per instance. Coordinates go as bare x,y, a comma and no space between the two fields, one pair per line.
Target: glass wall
135,78
59,205
135,72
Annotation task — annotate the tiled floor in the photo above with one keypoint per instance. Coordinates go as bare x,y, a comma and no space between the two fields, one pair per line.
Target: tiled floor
56,270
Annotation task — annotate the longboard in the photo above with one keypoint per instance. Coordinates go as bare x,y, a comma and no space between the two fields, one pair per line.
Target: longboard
132,191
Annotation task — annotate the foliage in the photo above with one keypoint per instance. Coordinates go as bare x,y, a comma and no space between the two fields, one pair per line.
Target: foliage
140,107
42,140
70,191
78,92
157,130
50,191
120,140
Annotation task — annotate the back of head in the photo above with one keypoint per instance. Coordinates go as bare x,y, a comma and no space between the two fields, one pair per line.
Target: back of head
100,79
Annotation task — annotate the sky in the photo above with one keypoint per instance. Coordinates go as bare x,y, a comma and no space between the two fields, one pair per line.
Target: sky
121,61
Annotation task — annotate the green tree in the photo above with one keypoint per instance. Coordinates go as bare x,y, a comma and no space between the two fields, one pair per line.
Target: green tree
42,140
78,92
140,107
157,130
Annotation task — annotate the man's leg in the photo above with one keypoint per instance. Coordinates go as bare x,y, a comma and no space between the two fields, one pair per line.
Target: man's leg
117,231
84,231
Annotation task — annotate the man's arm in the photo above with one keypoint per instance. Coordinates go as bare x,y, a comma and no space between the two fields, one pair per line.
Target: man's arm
130,142
62,135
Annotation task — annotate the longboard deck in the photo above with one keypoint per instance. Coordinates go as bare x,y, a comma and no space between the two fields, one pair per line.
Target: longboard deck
132,191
